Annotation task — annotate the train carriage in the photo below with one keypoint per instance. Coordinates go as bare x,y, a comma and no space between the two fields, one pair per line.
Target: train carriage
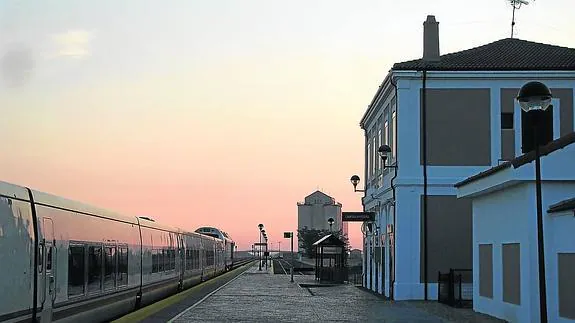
227,244
65,261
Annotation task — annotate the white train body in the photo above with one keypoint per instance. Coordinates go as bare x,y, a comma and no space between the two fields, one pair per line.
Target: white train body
65,261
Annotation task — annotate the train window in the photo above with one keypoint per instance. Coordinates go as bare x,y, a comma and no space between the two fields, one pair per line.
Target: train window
40,258
109,267
49,258
154,261
75,270
94,268
172,259
122,266
161,258
197,259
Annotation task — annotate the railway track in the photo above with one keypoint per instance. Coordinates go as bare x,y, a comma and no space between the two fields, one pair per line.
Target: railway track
285,267
241,262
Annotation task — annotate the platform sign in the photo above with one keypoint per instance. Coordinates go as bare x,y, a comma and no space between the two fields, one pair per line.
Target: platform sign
357,216
287,235
260,244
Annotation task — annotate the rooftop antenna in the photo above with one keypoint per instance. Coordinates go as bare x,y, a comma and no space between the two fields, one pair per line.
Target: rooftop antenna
516,4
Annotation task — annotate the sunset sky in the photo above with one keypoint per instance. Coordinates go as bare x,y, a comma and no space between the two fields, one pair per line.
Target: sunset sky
219,113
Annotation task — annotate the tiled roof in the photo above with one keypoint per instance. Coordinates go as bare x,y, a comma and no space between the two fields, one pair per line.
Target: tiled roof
509,54
554,145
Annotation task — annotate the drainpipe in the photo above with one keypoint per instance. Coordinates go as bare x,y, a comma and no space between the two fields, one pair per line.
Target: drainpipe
365,247
424,152
392,281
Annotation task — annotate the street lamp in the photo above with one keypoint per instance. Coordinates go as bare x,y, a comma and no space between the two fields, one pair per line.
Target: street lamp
330,221
534,98
261,227
354,181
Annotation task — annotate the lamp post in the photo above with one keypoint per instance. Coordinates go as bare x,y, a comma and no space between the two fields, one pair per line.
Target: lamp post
265,238
534,98
265,252
330,221
354,181
261,227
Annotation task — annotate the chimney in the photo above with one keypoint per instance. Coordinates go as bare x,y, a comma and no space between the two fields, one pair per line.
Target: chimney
431,40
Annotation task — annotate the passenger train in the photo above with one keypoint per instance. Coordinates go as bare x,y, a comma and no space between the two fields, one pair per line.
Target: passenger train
65,261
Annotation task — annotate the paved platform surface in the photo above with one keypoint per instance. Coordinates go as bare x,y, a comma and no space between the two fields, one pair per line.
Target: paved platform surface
260,296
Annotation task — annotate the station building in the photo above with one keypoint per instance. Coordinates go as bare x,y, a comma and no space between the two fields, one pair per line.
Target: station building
472,123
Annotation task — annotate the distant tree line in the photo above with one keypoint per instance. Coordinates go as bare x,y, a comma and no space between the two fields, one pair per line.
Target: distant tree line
307,237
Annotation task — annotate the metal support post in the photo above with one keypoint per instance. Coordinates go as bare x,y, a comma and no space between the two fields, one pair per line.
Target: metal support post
291,267
260,252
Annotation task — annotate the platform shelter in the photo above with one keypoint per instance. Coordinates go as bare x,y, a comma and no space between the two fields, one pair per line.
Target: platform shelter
330,259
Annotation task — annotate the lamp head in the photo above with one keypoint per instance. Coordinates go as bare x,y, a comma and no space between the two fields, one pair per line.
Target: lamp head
354,180
534,96
384,151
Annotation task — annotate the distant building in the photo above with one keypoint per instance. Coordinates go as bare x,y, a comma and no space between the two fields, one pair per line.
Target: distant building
315,211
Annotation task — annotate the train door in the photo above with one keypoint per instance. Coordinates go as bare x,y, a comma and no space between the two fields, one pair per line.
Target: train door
48,286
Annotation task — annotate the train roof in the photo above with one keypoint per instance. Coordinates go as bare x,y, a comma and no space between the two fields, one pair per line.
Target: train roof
12,190
48,199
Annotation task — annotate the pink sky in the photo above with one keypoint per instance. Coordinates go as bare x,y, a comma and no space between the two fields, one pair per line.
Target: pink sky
215,113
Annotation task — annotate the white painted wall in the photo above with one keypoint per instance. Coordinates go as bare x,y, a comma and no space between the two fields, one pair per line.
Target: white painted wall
508,214
499,218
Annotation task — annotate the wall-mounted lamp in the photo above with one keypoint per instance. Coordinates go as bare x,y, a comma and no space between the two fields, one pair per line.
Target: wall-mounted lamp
354,181
384,151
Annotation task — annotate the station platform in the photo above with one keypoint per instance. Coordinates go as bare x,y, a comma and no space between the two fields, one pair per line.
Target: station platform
252,295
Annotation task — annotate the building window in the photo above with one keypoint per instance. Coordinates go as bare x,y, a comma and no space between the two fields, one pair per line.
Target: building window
368,159
511,273
380,140
486,270
374,155
507,120
385,132
393,135
566,284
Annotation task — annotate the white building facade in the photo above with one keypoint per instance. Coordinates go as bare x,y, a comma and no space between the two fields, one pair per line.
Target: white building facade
505,249
315,211
472,123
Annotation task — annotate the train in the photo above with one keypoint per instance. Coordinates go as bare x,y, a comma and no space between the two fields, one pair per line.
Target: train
66,261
